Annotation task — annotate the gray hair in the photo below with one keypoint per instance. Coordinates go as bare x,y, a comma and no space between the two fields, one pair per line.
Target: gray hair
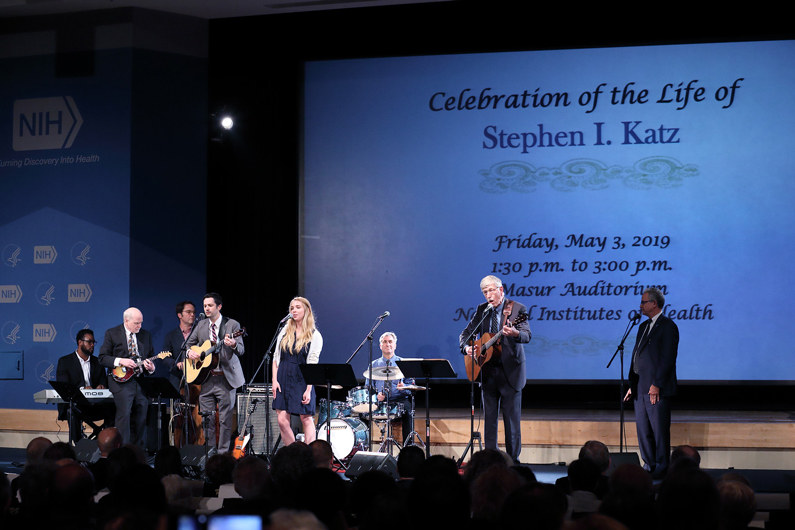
381,339
489,280
656,295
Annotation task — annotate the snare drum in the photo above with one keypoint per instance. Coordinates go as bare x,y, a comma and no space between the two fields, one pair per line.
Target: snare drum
357,399
347,434
395,411
339,409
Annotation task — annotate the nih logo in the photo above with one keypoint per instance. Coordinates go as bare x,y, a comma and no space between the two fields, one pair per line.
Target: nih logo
45,123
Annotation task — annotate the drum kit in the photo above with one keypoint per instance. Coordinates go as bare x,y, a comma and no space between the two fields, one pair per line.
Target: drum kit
349,433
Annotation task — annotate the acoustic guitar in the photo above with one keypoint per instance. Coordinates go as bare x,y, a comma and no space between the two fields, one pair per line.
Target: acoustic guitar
488,347
122,374
197,371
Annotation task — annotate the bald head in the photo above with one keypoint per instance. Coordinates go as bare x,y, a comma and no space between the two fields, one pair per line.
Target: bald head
108,440
35,449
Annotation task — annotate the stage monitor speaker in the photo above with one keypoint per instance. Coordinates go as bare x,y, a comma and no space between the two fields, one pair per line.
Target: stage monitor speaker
364,461
193,460
257,420
618,459
87,451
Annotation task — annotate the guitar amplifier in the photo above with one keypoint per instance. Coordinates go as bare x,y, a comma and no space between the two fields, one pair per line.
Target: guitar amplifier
257,420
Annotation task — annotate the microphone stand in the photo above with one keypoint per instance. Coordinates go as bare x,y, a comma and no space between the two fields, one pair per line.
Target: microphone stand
472,434
369,339
183,382
266,360
621,431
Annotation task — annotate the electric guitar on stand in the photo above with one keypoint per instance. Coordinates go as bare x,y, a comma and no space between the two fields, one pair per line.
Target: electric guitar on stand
242,441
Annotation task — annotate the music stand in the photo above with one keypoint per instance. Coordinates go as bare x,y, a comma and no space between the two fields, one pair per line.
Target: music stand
158,387
71,392
329,374
425,369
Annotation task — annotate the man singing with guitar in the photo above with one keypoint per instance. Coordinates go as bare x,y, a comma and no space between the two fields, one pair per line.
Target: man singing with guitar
499,359
225,376
126,351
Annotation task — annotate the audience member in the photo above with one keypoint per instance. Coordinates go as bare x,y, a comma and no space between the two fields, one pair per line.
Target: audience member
288,464
598,453
218,471
688,500
538,506
737,505
488,492
322,453
630,499
107,440
409,462
583,476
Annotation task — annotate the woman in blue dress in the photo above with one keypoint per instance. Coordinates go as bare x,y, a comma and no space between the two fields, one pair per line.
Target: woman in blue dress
298,343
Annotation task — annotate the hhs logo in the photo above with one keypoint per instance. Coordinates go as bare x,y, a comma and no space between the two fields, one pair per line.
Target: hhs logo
45,123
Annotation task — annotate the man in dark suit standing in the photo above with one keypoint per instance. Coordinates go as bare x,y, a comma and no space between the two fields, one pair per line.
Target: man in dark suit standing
81,368
129,346
503,377
652,381
219,388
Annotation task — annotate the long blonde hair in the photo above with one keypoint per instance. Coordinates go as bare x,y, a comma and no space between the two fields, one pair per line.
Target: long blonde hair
290,343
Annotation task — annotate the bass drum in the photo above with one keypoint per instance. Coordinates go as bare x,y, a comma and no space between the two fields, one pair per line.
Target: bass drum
347,435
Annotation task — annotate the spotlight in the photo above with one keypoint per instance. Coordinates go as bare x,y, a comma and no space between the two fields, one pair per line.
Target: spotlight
227,123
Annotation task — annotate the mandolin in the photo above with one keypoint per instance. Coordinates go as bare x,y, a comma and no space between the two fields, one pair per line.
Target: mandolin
488,347
197,372
122,374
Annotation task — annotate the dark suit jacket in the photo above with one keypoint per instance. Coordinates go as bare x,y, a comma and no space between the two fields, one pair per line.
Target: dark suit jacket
115,345
167,367
69,371
512,357
656,358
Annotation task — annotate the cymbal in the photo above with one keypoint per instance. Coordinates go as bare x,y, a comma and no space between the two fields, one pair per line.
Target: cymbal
333,387
384,373
413,387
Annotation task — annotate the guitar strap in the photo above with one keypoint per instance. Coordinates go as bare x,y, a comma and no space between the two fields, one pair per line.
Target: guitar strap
222,329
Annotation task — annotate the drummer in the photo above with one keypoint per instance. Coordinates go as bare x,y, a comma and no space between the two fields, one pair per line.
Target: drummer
397,394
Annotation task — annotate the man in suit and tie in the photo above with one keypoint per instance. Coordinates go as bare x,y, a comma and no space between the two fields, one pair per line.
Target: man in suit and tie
81,368
219,388
503,377
652,380
129,346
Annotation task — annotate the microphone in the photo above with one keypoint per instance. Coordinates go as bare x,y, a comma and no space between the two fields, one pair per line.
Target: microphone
488,308
285,319
386,314
200,316
635,319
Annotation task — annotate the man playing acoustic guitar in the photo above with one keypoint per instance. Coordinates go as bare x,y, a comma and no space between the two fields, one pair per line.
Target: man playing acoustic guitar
219,388
502,366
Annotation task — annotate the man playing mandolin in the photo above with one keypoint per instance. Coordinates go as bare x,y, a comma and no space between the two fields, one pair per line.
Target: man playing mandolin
502,365
127,349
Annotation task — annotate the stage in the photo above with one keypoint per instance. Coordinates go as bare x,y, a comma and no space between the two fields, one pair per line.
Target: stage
725,439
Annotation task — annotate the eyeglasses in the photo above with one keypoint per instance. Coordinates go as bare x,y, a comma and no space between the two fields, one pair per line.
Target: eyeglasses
190,312
645,301
92,341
